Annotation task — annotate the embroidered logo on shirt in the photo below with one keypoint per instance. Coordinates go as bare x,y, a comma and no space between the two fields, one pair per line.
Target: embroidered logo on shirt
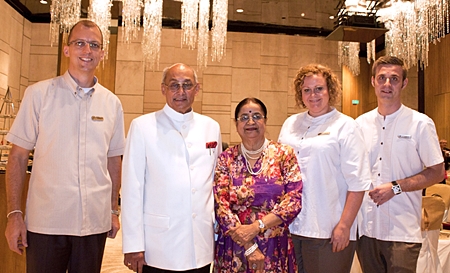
95,118
404,136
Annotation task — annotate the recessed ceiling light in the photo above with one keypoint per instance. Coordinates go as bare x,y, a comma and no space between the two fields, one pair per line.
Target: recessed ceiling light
239,10
331,17
43,2
302,14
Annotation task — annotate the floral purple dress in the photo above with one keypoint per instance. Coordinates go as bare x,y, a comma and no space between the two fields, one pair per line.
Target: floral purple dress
241,196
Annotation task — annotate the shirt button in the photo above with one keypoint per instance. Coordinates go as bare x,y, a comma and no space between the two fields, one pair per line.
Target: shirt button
381,143
194,190
384,128
379,174
380,158
189,145
184,127
194,215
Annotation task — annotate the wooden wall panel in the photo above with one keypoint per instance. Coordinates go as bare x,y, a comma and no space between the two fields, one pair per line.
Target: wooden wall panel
437,86
10,261
357,88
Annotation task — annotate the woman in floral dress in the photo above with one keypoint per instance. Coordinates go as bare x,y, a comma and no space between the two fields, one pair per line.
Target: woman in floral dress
257,188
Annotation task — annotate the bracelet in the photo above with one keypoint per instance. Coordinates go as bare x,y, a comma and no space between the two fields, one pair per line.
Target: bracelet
14,211
250,250
115,212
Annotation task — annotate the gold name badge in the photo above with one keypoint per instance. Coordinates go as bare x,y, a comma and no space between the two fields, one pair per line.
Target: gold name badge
95,118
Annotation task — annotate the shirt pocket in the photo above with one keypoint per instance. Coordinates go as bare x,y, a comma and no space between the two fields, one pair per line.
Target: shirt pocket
156,223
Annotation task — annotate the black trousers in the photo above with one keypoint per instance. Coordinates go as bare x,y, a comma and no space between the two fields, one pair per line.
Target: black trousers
151,269
63,253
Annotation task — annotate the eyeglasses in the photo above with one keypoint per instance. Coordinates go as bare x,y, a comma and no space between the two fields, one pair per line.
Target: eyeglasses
175,86
255,117
82,43
317,90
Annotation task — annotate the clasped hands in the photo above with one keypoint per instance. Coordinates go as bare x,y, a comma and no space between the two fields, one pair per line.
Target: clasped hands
244,236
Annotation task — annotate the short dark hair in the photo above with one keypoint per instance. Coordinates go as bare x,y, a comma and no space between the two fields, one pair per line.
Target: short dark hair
333,84
247,101
385,60
86,23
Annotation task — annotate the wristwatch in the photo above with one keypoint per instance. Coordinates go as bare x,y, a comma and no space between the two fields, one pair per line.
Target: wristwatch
396,188
262,227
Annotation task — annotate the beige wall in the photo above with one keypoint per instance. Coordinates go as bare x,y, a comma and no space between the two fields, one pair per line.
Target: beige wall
255,65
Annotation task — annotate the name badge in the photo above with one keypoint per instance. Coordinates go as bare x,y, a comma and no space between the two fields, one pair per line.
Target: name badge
404,136
95,118
323,134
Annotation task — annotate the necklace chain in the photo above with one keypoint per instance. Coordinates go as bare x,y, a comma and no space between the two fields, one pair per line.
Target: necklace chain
247,154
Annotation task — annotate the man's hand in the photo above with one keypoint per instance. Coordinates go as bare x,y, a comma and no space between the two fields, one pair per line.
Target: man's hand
340,237
382,193
16,233
115,226
134,261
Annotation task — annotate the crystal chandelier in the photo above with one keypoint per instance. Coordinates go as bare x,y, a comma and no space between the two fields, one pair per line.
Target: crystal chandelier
195,17
64,14
412,26
348,55
194,25
151,40
100,13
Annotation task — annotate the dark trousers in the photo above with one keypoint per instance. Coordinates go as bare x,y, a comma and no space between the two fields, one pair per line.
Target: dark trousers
151,269
376,256
317,256
62,253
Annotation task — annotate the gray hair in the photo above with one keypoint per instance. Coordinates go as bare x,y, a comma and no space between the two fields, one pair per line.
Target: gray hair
172,66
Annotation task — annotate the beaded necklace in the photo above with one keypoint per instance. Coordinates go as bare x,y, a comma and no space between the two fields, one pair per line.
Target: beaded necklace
248,155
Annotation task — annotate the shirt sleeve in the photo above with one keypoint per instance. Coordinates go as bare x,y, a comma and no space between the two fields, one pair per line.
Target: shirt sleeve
291,202
223,194
354,159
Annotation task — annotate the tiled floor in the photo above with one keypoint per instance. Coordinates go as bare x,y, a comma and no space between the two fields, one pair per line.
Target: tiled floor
113,257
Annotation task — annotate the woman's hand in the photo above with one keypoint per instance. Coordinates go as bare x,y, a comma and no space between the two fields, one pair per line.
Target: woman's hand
243,234
340,237
256,261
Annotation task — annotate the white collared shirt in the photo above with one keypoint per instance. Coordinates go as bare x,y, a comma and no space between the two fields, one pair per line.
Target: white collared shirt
332,159
400,145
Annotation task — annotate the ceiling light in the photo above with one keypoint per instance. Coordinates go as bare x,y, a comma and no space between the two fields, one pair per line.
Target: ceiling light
302,14
43,2
331,17
239,10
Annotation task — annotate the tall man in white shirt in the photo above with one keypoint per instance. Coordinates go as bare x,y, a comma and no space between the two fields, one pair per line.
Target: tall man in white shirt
405,157
76,128
168,171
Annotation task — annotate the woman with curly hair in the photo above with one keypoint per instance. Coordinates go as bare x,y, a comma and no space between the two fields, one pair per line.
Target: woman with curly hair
335,172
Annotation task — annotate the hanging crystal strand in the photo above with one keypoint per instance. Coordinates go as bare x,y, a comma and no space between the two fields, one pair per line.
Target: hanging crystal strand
189,19
100,13
349,56
219,29
151,40
371,51
131,19
203,34
63,15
